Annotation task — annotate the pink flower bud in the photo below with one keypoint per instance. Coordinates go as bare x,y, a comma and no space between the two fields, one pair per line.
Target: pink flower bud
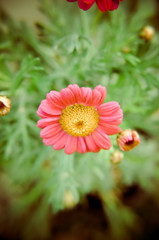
128,139
5,105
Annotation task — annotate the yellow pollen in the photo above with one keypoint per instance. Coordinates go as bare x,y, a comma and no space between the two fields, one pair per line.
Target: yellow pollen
79,120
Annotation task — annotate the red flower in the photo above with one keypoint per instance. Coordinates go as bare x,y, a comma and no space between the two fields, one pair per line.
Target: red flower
103,5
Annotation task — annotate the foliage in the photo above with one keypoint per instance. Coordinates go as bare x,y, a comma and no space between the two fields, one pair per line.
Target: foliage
86,48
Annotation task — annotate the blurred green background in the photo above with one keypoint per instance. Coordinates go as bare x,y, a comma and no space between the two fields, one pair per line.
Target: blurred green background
46,45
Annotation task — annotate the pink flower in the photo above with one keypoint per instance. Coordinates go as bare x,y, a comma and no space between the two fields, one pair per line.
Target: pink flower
128,139
76,119
103,5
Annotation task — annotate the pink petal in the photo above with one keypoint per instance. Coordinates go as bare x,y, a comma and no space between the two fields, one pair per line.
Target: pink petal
52,140
77,92
74,0
96,98
108,109
105,5
60,141
91,145
50,130
48,108
84,5
102,91
47,121
100,6
81,146
42,114
86,95
54,98
114,119
101,139
115,4
109,129
68,97
71,144
88,1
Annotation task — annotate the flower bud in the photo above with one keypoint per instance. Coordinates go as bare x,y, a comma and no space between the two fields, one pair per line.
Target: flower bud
147,33
116,157
69,200
126,49
5,105
128,139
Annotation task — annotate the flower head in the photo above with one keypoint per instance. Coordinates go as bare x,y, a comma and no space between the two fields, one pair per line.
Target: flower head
76,119
128,139
5,105
103,5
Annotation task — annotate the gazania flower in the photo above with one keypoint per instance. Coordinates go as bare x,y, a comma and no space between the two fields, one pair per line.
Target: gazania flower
76,119
128,139
103,5
5,105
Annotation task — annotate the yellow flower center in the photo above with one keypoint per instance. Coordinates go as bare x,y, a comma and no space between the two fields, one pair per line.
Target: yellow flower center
79,120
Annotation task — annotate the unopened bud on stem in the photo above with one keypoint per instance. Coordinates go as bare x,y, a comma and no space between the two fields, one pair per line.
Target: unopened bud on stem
116,157
69,200
147,33
5,105
128,139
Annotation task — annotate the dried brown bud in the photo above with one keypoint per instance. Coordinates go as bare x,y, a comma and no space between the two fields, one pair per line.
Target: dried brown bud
128,139
147,33
116,157
5,105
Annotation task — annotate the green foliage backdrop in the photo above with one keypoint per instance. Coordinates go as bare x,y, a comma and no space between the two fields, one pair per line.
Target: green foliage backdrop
86,48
